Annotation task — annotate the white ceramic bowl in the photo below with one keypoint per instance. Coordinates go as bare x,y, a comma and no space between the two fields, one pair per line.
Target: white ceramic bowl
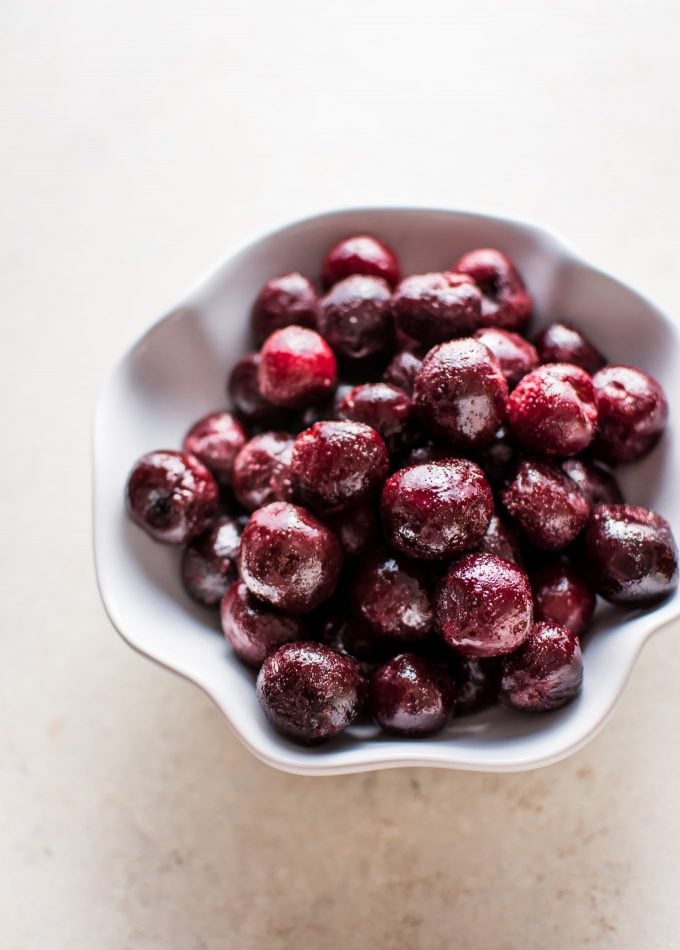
176,372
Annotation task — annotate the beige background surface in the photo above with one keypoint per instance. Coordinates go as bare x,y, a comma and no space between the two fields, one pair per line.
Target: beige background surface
139,141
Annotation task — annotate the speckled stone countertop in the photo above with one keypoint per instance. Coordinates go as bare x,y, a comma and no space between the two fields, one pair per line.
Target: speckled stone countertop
141,140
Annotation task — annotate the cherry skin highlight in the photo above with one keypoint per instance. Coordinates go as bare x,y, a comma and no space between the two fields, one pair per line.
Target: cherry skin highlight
288,558
410,696
516,356
355,319
595,481
632,413
433,308
262,471
215,440
249,404
484,606
171,495
505,301
308,692
545,673
546,504
563,596
436,510
208,567
362,254
254,629
392,597
386,409
296,367
290,298
631,555
564,343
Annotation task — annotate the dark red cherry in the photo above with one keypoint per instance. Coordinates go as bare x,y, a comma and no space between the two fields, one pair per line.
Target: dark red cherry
516,356
411,696
436,510
553,410
288,558
355,319
362,254
208,566
432,308
498,460
505,301
262,470
501,539
460,393
595,481
308,692
336,465
546,504
392,596
357,528
632,413
484,606
631,555
249,404
296,367
475,683
402,371
254,629
563,596
545,673
216,440
564,343
171,496
282,301
386,409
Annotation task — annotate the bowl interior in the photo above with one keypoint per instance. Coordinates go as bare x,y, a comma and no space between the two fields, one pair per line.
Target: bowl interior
176,372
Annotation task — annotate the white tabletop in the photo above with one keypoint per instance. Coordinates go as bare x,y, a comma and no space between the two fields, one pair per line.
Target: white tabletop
140,140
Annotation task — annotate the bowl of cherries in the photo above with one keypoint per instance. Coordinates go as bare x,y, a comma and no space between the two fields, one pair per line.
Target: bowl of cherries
394,487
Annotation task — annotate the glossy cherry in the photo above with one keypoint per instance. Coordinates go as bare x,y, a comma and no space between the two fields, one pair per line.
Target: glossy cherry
208,567
432,308
254,629
633,412
215,440
296,367
335,465
411,696
249,404
460,393
516,356
386,409
564,343
501,538
505,301
361,254
563,596
308,692
288,558
436,510
402,371
355,319
631,554
290,298
545,673
475,683
484,606
595,481
546,504
392,596
171,495
262,472
553,410
357,528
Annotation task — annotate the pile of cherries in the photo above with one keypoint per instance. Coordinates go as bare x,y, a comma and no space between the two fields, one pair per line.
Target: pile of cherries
408,512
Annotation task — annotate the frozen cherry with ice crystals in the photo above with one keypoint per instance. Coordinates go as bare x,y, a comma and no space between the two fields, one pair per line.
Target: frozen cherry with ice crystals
249,404
262,470
501,539
564,343
546,504
595,481
562,595
208,566
516,356
432,308
308,692
288,558
402,371
436,510
475,683
357,528
283,300
505,301
484,606
171,495
553,410
633,412
460,393
411,696
296,367
386,409
361,254
355,319
337,464
392,596
631,554
254,629
545,673
215,440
